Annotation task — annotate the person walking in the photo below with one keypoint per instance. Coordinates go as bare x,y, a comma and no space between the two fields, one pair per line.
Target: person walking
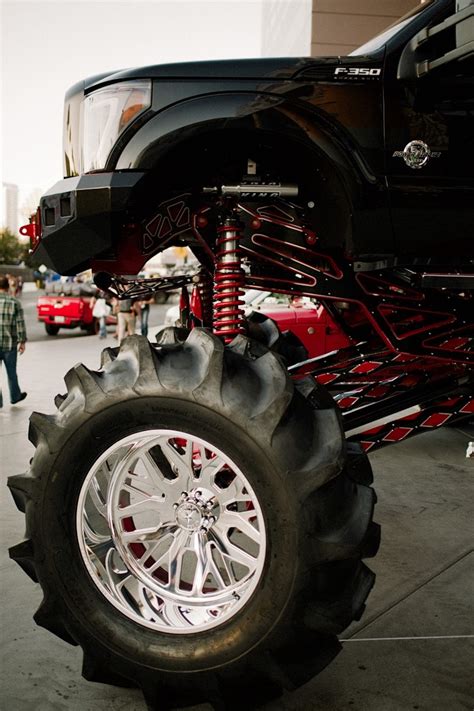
12,285
100,311
126,319
144,307
12,339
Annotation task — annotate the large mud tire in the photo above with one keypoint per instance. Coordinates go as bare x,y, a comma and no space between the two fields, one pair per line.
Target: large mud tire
315,503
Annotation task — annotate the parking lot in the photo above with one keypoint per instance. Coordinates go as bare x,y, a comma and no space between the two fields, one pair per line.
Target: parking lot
414,647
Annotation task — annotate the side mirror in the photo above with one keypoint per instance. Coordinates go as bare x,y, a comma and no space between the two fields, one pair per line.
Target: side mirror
455,34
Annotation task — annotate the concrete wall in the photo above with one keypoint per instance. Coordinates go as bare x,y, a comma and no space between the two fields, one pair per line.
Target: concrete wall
339,26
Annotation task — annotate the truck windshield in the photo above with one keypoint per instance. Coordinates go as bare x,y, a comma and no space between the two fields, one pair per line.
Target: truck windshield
380,40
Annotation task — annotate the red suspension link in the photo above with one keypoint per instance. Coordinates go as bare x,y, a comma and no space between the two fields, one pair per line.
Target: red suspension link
205,285
229,281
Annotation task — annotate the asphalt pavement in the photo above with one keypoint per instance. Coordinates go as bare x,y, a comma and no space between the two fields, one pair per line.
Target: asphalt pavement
413,648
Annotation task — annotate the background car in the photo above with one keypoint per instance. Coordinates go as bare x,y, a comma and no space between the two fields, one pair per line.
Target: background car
302,316
67,304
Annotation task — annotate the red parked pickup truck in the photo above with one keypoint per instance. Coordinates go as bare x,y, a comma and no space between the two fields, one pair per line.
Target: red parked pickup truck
310,322
307,320
67,305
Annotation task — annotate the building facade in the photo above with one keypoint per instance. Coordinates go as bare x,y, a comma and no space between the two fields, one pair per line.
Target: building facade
340,26
9,214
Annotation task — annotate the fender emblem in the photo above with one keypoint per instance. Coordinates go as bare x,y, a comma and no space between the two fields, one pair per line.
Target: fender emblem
416,154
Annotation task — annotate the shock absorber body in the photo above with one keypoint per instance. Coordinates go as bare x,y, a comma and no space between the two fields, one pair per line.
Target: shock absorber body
229,280
203,292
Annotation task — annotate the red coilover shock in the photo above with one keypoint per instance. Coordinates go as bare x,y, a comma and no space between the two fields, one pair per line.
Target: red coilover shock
229,281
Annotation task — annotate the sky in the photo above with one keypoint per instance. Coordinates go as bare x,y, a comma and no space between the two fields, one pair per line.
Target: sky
48,46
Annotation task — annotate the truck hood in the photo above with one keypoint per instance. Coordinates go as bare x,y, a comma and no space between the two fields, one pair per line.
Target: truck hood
279,68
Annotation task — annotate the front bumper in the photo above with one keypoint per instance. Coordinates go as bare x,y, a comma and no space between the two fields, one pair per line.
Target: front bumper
67,323
79,217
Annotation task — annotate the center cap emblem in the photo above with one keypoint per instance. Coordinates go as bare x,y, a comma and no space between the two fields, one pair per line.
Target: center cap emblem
188,516
416,154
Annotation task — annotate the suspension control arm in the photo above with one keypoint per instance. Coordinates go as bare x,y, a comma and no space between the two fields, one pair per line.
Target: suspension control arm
123,288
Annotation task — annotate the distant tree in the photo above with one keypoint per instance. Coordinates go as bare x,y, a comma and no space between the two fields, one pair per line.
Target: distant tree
30,203
11,251
29,259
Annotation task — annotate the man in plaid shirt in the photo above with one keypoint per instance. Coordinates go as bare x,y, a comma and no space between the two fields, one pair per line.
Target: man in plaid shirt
12,338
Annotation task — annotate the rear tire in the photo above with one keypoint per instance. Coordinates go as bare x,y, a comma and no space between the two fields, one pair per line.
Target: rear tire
292,509
93,328
51,329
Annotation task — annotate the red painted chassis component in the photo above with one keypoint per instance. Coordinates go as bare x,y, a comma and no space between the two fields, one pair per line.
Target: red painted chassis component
411,365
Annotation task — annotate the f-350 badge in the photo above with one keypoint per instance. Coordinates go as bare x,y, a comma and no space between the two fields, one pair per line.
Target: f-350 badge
416,154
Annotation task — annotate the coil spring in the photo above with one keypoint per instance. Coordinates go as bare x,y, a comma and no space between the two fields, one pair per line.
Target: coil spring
229,280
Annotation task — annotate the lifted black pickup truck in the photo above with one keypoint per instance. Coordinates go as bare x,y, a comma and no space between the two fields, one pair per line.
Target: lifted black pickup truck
198,509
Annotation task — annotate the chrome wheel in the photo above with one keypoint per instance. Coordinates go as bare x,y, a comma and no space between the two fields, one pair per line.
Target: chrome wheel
171,531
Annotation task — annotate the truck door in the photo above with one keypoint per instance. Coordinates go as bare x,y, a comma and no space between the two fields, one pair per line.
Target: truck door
429,128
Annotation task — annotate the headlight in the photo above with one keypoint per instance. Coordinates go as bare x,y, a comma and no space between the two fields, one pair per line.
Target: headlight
107,113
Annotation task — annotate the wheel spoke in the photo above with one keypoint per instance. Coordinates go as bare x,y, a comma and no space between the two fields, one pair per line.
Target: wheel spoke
92,536
180,463
173,616
225,559
199,548
150,606
210,467
157,543
139,485
110,572
232,551
140,535
215,572
160,482
241,521
97,498
175,559
102,548
233,493
149,504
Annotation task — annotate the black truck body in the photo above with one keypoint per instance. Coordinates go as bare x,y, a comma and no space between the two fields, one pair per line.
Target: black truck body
336,126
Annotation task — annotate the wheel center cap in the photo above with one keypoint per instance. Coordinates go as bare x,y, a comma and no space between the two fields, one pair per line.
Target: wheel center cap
189,516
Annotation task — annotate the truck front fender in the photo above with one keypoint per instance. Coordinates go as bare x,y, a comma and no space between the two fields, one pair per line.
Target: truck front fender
282,120
267,113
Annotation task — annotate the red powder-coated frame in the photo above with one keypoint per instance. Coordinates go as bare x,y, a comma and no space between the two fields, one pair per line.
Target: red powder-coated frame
410,368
